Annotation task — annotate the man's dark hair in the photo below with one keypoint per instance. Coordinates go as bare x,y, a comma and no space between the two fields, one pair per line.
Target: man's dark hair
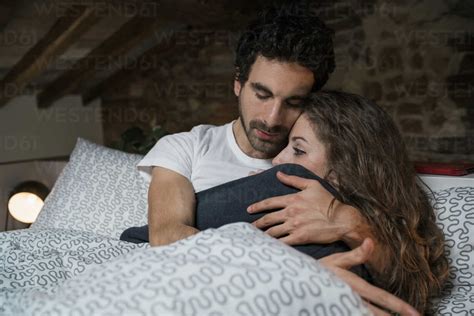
288,37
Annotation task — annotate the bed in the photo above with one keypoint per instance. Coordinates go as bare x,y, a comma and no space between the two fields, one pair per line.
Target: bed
71,261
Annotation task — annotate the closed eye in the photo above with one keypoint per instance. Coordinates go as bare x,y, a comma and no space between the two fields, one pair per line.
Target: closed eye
262,97
298,152
294,104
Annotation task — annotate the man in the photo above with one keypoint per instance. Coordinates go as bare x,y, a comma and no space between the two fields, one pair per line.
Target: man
279,60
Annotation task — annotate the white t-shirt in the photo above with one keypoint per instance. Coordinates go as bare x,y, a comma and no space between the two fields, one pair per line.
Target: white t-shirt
208,155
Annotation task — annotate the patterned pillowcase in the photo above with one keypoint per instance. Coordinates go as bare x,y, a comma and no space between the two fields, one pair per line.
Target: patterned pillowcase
99,191
455,301
454,210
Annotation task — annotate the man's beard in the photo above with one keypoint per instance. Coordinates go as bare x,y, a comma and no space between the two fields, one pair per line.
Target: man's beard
270,148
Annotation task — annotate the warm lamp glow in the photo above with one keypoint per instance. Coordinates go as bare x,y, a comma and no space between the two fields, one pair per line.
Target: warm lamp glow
26,201
25,207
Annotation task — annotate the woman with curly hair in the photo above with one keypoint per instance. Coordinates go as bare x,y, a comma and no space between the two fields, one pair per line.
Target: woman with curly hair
355,146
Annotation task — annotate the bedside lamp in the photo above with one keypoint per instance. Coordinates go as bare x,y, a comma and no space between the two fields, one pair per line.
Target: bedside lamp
26,201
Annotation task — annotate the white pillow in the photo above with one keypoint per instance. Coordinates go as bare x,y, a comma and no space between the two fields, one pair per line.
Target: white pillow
454,210
99,191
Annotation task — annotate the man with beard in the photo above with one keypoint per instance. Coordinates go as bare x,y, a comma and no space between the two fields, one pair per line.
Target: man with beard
280,59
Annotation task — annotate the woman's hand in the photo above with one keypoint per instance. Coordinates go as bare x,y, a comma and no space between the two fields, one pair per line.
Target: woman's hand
304,216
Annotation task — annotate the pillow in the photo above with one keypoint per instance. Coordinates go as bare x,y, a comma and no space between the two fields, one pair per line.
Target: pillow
233,270
458,300
99,191
454,210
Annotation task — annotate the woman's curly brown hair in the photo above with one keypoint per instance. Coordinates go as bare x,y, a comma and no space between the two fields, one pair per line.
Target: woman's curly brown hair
368,160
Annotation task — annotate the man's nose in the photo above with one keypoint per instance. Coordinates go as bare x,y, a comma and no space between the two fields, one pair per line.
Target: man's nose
274,114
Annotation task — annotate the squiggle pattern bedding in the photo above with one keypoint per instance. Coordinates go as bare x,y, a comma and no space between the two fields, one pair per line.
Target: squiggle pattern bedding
41,259
99,190
454,209
233,270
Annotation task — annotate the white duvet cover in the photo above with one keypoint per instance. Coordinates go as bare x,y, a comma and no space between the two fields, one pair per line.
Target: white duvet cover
233,270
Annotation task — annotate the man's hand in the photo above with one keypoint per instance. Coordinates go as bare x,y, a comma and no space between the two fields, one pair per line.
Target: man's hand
339,264
304,216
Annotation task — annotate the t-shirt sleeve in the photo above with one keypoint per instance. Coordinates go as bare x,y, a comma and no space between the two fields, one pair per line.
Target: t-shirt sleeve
174,152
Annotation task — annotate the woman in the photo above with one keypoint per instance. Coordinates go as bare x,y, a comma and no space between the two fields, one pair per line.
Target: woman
354,149
355,146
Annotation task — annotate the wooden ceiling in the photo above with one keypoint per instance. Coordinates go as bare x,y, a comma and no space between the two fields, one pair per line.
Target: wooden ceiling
55,48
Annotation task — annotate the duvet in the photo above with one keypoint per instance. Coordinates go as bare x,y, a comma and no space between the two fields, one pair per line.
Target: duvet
233,270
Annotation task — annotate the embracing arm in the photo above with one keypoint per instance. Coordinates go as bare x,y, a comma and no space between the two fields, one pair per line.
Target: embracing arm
376,298
306,217
355,229
171,207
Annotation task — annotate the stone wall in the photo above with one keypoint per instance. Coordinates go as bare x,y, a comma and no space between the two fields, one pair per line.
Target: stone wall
415,58
193,86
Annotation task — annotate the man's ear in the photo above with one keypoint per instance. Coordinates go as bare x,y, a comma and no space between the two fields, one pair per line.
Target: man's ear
237,84
237,87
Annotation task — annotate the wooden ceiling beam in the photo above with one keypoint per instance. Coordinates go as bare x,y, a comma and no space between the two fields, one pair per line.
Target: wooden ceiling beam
206,15
127,37
187,11
7,12
57,40
161,50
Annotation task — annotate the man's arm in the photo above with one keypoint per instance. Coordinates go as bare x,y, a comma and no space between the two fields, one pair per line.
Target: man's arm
305,219
375,298
171,207
357,230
